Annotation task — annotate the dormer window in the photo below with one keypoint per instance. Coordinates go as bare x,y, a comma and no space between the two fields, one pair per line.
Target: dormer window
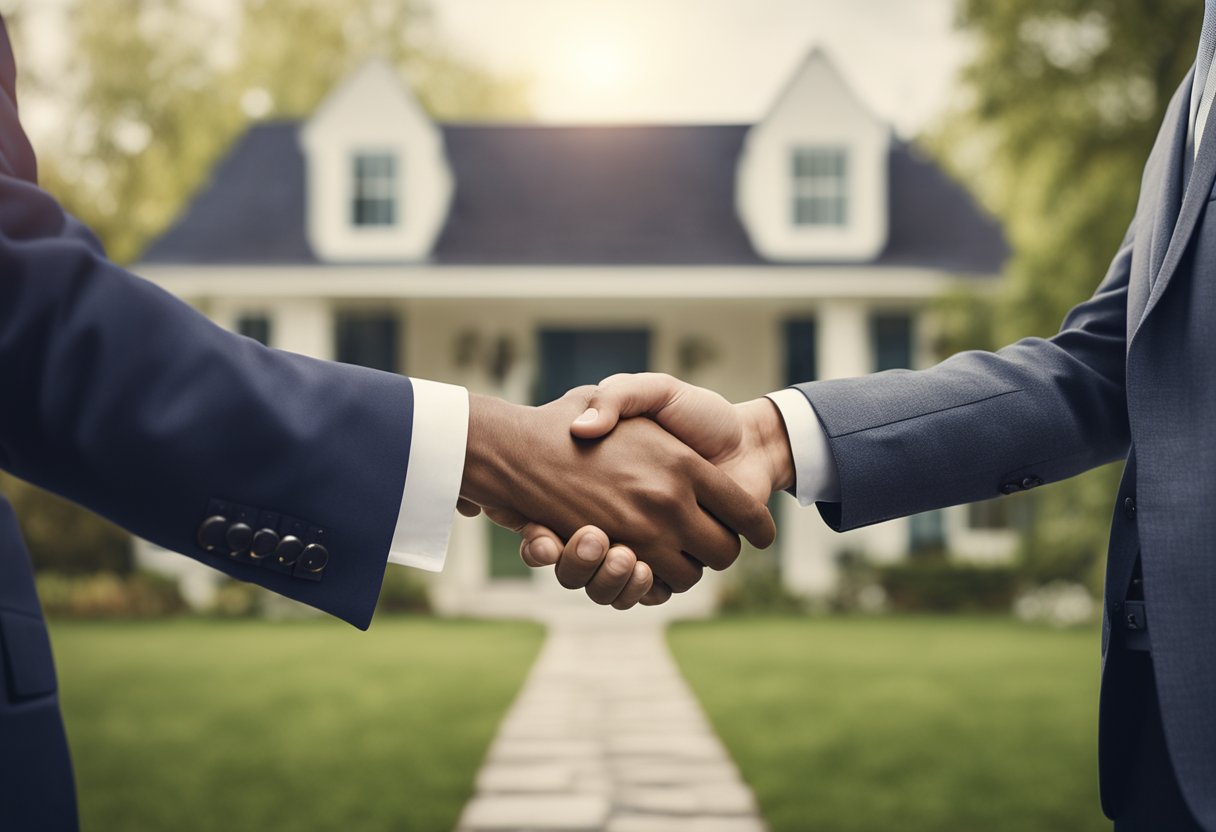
820,186
374,190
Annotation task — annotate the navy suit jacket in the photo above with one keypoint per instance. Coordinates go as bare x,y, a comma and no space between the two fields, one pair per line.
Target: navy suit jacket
119,396
1131,375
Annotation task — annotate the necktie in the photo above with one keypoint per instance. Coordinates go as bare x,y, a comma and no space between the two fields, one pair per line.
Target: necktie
1202,86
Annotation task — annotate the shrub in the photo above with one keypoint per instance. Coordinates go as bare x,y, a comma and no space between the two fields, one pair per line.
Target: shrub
1060,604
403,591
63,537
942,586
234,599
758,591
108,595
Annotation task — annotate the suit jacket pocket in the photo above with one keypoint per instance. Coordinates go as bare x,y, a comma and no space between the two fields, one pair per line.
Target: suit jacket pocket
25,648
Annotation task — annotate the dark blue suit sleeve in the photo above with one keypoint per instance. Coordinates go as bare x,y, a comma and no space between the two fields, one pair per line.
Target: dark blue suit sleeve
1037,411
121,397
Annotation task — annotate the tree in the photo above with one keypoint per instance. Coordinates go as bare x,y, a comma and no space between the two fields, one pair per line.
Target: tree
1061,103
154,92
152,102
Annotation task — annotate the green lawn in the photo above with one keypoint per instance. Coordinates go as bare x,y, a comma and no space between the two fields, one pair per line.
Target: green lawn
303,725
935,724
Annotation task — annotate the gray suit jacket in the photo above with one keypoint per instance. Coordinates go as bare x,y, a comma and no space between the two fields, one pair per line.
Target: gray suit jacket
1131,375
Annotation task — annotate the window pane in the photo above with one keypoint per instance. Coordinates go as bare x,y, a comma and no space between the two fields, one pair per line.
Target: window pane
819,185
374,189
801,360
891,335
256,327
369,339
926,533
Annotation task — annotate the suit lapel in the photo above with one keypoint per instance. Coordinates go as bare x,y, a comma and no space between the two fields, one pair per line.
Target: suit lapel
1194,201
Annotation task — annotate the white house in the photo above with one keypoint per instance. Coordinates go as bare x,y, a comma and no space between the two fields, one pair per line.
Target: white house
521,260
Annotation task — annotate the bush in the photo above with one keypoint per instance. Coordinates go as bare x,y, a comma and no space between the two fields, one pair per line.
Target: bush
108,595
63,537
403,591
758,591
942,586
234,599
1060,604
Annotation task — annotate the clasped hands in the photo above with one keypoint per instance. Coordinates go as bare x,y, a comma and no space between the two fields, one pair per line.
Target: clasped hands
630,488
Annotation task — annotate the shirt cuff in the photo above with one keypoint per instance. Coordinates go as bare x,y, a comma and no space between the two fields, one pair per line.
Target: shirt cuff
438,440
815,479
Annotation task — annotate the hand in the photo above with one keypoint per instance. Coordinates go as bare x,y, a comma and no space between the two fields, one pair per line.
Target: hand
611,574
641,486
747,441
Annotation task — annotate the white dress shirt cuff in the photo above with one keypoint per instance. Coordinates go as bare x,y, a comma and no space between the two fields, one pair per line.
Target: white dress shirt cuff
815,479
432,480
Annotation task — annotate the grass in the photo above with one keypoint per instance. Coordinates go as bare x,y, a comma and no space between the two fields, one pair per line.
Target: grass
305,725
858,725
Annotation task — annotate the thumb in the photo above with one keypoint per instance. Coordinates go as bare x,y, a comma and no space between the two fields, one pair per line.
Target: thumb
624,396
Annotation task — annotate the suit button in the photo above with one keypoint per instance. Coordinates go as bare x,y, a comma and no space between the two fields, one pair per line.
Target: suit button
211,532
289,549
1129,507
1010,487
238,538
264,542
314,557
1031,482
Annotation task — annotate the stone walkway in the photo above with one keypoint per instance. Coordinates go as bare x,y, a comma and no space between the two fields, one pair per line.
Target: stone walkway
606,735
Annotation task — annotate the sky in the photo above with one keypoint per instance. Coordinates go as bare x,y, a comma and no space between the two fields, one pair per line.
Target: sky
709,60
671,60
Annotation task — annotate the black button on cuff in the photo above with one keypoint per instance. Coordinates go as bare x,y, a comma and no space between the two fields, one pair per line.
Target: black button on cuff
1031,482
1010,487
289,549
238,538
314,558
265,541
212,531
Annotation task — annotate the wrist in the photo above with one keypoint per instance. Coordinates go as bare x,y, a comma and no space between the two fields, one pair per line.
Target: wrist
763,422
493,438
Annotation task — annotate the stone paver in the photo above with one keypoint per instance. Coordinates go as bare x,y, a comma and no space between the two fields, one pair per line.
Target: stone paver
606,736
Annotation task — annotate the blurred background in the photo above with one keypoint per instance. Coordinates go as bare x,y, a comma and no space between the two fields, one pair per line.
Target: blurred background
520,196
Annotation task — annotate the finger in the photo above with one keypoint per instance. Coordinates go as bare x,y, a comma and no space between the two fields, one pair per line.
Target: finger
612,576
640,582
540,546
678,571
734,508
582,556
467,507
707,540
621,397
659,593
506,518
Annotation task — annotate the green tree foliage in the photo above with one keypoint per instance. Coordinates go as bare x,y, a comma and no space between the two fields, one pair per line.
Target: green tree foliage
1059,107
153,93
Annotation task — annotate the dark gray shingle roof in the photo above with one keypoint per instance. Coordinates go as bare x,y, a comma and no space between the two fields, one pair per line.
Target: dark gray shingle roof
568,195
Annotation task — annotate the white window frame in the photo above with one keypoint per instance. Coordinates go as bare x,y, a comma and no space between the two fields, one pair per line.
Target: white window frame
818,189
382,186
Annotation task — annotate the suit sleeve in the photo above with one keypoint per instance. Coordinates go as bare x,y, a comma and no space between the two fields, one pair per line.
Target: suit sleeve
982,424
123,398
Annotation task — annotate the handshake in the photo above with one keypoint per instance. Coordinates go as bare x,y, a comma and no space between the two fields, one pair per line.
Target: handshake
632,509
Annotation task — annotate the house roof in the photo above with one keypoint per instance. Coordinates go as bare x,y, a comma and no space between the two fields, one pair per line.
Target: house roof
545,195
